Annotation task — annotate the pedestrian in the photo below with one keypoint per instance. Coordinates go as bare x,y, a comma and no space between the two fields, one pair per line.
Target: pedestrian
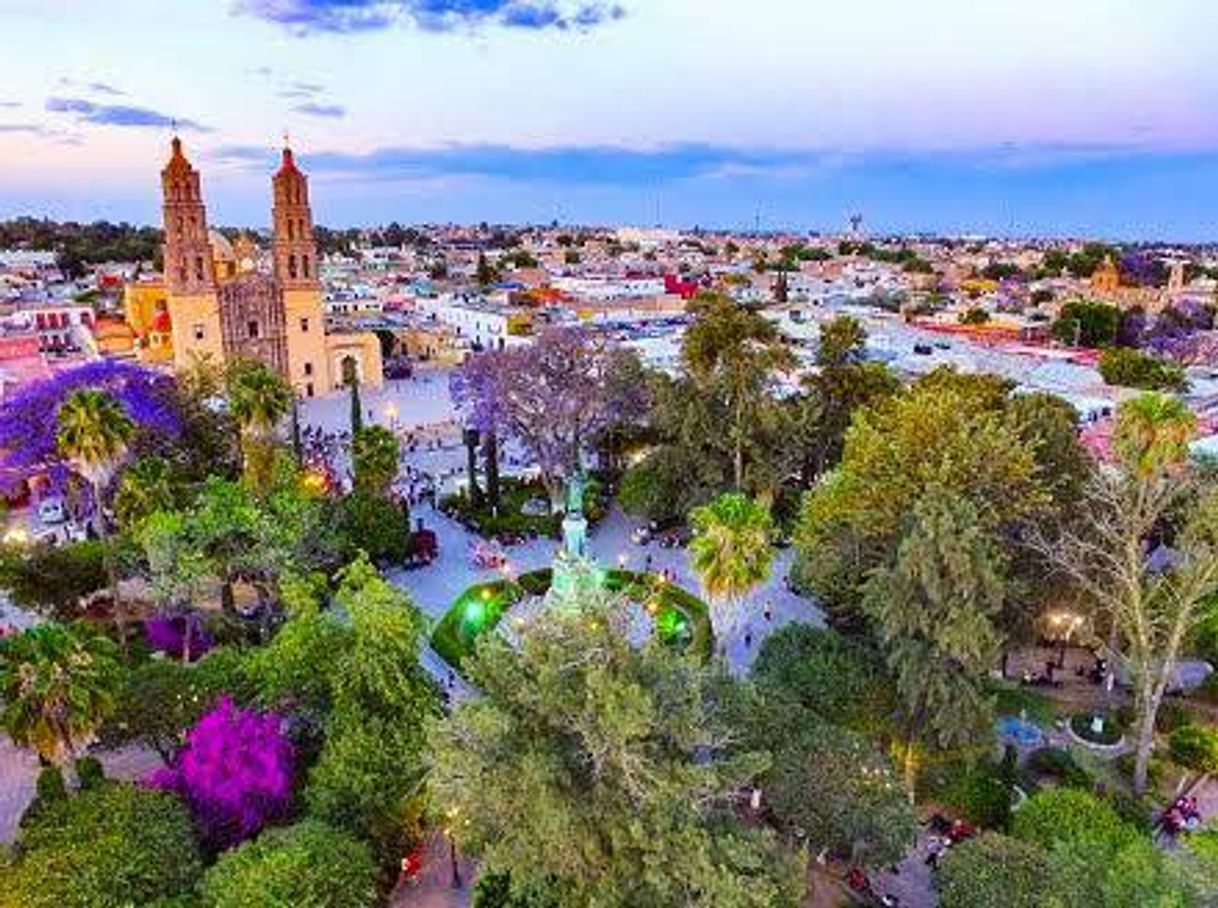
933,851
769,611
748,639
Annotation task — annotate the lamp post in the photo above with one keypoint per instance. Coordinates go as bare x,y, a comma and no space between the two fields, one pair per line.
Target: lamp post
452,849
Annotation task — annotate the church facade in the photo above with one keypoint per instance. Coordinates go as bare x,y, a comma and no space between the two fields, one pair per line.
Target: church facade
223,303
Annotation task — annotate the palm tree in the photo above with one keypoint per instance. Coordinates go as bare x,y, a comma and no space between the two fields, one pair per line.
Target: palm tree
1153,432
146,487
58,684
731,553
258,399
94,434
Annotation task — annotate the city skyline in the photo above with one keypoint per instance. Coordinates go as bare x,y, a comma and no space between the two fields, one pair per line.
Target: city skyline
1020,119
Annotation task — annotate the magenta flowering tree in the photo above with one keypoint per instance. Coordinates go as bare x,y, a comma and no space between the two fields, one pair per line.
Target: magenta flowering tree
554,396
235,774
182,635
28,423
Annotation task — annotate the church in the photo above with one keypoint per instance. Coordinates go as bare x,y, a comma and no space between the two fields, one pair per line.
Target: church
221,302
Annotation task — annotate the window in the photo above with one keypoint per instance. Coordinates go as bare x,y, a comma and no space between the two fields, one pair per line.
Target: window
308,369
304,261
304,326
309,389
252,327
198,332
199,267
292,266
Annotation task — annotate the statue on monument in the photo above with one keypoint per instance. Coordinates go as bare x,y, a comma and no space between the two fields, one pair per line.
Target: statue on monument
575,495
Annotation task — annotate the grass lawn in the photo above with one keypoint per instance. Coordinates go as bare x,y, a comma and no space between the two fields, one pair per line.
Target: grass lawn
681,618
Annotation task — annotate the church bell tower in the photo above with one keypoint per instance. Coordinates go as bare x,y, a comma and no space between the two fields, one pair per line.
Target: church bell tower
295,269
189,269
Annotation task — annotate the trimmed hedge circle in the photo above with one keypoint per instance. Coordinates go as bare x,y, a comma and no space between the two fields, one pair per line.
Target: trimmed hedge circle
681,618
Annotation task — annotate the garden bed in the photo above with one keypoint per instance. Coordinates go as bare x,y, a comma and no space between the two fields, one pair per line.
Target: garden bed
681,618
512,523
1112,737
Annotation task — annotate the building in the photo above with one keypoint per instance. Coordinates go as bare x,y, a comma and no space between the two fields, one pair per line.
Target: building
222,306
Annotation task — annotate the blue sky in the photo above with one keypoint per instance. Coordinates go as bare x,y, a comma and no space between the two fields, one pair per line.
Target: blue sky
1087,117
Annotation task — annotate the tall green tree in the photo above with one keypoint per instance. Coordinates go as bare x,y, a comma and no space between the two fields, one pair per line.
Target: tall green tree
735,355
583,771
731,552
934,611
842,792
94,434
58,685
1153,496
369,776
259,400
950,431
374,453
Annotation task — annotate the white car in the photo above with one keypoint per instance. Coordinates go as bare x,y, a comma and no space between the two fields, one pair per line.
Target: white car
51,510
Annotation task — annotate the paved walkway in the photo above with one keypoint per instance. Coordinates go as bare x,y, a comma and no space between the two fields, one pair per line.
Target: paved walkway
435,587
434,888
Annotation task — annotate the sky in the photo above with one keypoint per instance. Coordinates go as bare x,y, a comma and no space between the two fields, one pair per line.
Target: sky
1090,118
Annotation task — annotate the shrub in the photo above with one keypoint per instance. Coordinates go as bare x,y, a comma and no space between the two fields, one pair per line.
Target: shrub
89,773
1058,763
309,864
1172,716
235,773
111,846
983,795
1067,815
49,789
994,870
974,315
1195,748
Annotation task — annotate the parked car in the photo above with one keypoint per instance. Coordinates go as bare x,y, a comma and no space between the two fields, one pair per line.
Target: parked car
52,510
640,535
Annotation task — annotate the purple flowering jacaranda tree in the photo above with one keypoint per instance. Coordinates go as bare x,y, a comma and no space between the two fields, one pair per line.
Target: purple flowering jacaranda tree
29,423
553,396
235,774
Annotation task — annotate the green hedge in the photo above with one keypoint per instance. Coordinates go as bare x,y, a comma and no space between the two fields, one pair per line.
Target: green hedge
681,618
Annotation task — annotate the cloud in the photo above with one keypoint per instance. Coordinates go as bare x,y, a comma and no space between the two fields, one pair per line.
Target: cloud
346,16
333,111
28,128
589,165
9,105
118,114
300,90
97,88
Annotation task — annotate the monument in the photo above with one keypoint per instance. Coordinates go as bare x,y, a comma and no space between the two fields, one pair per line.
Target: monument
574,569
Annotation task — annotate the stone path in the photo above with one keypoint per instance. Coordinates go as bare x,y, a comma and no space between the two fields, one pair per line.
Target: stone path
434,888
435,587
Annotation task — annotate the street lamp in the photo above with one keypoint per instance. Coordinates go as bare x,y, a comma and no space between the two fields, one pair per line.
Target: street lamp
452,848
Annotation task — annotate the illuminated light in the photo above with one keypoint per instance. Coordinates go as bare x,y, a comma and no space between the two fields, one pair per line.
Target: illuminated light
17,536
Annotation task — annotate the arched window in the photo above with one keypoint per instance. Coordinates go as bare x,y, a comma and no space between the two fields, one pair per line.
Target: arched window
292,267
199,273
291,230
304,263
